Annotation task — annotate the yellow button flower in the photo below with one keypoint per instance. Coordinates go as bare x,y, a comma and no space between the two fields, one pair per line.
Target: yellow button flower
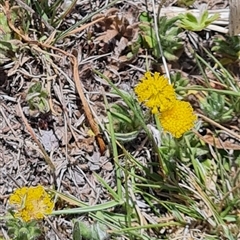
31,203
178,119
155,92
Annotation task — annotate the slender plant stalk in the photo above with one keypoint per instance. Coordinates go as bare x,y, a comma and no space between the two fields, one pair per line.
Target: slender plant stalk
114,148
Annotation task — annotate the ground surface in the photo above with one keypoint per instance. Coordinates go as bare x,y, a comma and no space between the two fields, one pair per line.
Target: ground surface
64,131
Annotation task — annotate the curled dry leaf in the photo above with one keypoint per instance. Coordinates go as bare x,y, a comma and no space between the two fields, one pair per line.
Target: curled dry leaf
210,139
118,30
87,144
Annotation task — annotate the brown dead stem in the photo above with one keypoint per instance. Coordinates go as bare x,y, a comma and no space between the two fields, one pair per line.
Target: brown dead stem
86,108
31,132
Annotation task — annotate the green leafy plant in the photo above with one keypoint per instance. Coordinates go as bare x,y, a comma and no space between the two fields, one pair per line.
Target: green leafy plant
168,33
228,49
53,12
20,230
189,22
8,45
177,191
186,3
37,98
178,81
215,107
126,124
40,16
95,231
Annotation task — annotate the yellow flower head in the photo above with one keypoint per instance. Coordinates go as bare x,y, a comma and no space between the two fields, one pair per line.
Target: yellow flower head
178,119
31,203
155,92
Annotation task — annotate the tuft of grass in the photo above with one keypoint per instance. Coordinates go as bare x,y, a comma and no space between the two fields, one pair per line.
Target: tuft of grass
197,187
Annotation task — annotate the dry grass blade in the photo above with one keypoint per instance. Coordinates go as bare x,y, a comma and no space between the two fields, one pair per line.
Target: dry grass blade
84,27
31,132
7,121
